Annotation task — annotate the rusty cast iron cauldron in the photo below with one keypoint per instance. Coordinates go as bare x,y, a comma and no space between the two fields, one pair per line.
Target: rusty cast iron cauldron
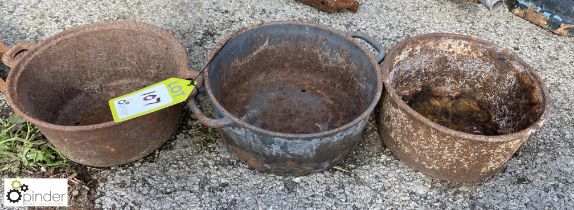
291,98
63,84
457,108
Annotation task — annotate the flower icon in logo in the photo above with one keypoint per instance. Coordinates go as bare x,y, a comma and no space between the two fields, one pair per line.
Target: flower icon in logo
16,184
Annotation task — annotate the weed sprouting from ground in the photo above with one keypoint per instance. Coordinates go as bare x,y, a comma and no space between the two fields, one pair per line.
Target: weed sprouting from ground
23,147
210,136
207,135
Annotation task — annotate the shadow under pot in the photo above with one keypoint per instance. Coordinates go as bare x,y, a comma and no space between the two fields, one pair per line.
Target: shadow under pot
292,98
457,108
63,84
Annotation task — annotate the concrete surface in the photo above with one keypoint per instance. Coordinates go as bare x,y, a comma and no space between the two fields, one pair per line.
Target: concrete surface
193,173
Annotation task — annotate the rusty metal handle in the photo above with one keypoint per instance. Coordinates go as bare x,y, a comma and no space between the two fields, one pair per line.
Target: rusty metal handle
379,48
13,55
212,123
218,123
3,49
3,85
190,74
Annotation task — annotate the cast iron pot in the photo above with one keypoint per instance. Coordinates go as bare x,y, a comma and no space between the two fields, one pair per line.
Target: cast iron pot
63,84
292,98
490,100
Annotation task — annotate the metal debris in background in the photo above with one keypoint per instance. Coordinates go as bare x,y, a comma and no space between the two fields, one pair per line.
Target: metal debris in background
554,15
490,4
332,6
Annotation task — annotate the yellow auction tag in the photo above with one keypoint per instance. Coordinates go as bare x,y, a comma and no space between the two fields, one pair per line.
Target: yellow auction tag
150,99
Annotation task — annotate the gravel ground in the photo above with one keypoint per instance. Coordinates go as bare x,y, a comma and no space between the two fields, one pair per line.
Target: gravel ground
193,172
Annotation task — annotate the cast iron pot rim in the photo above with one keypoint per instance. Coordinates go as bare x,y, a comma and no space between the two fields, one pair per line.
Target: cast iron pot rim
482,138
241,123
14,73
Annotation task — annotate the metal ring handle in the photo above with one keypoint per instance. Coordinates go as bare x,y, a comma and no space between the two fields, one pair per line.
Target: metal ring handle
3,85
212,123
12,56
192,74
3,49
379,48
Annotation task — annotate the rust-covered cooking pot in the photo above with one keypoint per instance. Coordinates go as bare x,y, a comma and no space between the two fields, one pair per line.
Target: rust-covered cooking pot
63,84
292,98
457,108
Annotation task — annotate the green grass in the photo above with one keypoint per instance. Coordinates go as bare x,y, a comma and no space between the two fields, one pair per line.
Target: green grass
210,136
22,147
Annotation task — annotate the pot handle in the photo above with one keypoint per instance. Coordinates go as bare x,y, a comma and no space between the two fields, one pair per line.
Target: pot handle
192,74
379,48
11,57
3,50
212,123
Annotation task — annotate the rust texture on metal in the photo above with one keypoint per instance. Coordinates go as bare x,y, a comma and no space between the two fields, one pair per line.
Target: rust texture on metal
554,15
13,54
457,108
63,85
332,6
3,50
294,97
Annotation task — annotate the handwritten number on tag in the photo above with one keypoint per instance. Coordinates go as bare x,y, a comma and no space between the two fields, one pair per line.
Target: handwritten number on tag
150,99
149,96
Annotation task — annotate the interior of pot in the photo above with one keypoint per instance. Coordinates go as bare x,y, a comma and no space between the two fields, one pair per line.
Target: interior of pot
293,78
465,85
70,79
